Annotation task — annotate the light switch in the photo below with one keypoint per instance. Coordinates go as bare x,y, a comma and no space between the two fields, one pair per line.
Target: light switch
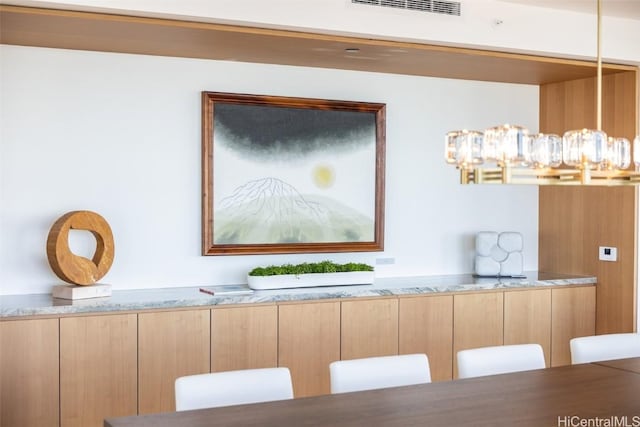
608,253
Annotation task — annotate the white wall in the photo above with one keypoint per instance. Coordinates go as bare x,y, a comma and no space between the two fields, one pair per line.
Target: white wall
120,135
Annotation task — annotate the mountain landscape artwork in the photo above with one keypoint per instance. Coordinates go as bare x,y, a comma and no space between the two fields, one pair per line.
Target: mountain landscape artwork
269,210
287,174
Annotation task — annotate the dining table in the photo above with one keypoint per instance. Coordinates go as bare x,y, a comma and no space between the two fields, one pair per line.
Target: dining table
631,365
592,394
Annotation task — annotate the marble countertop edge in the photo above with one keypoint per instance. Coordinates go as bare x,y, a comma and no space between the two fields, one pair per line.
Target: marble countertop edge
12,306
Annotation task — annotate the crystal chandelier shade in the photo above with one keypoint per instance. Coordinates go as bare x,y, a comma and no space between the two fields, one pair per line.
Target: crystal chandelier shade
541,158
546,150
509,154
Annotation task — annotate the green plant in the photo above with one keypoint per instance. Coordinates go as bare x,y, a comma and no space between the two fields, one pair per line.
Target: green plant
307,268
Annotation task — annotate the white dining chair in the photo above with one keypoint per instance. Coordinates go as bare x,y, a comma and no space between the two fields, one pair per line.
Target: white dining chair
232,388
379,372
478,362
604,347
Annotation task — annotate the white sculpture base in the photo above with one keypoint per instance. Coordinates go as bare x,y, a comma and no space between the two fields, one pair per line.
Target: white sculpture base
81,292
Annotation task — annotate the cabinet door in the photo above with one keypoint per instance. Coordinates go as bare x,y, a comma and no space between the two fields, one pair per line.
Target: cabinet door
29,379
98,366
244,338
170,345
426,326
369,328
477,322
573,315
308,341
527,319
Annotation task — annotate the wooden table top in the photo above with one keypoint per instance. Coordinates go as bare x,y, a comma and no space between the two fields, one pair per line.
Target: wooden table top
535,398
631,365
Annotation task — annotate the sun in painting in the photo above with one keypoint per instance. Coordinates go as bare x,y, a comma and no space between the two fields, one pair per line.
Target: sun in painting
323,176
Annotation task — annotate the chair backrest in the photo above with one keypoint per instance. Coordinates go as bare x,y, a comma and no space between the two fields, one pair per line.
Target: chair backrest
379,372
604,347
232,388
501,359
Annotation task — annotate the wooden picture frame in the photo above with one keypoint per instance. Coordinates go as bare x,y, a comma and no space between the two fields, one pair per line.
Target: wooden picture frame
291,175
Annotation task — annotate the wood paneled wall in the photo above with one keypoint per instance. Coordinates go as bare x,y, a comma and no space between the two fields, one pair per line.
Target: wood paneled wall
575,221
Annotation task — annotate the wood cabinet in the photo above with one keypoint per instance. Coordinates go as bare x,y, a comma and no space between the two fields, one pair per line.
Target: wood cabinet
171,344
244,337
426,326
477,322
572,315
527,319
29,376
76,371
369,328
308,341
98,369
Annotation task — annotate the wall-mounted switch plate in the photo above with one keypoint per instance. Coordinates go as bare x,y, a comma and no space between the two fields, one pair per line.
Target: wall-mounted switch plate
608,253
385,261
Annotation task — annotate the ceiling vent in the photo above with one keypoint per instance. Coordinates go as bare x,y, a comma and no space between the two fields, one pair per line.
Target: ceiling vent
433,6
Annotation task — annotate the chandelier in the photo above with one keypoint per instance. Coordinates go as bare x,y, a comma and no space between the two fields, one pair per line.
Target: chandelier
509,154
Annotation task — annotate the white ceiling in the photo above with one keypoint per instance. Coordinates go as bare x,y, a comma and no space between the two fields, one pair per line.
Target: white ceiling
619,8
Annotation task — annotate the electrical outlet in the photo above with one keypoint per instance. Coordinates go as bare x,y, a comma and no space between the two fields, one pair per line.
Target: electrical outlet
385,261
608,253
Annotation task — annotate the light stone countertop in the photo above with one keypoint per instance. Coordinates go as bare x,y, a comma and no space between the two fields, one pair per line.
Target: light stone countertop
181,297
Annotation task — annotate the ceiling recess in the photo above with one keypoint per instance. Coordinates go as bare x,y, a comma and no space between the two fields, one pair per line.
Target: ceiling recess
432,6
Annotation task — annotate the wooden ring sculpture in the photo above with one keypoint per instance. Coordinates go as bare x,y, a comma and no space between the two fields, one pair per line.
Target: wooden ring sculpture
73,268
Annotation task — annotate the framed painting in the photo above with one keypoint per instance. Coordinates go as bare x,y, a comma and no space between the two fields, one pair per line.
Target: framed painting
291,175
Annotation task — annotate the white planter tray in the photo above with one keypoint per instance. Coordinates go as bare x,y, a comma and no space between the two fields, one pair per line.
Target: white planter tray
284,281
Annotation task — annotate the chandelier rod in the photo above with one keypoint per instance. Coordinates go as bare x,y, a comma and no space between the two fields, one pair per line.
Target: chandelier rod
599,71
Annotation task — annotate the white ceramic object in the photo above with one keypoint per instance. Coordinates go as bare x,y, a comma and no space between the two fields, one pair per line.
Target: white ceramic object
486,266
485,240
499,254
512,266
510,241
284,281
